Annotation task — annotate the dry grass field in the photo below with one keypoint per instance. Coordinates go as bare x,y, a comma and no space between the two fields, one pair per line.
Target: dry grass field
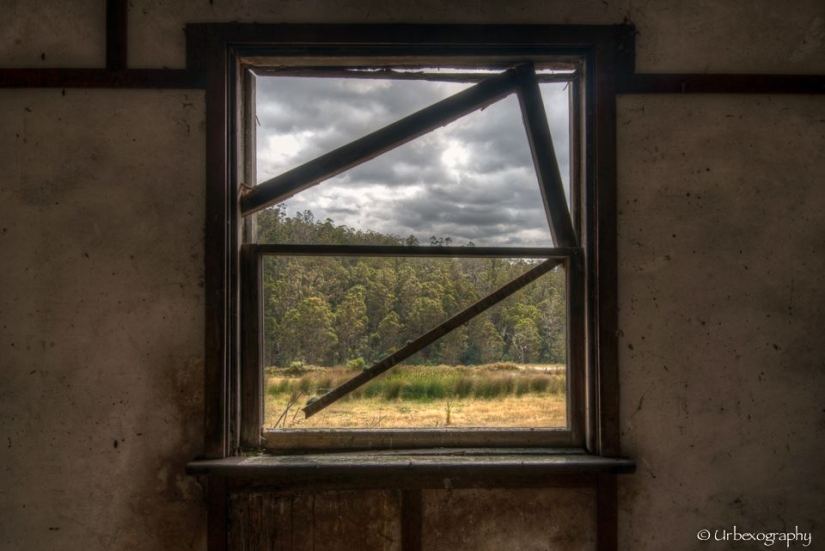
499,395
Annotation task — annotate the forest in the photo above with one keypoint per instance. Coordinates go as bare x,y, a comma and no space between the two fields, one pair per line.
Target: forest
352,311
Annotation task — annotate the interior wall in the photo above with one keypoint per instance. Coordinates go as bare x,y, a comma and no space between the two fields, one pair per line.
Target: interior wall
720,245
101,223
720,241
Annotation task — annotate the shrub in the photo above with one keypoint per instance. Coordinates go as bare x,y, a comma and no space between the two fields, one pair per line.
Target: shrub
558,385
374,388
553,384
295,368
523,385
463,386
305,385
281,386
393,388
424,388
324,383
356,364
503,366
539,383
493,387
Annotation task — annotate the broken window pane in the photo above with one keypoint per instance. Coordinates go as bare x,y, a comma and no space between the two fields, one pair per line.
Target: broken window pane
472,181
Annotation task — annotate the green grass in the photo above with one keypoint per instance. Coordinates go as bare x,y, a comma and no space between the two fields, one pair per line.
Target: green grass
422,383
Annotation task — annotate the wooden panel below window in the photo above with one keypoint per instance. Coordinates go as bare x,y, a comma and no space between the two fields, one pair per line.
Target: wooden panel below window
305,521
509,519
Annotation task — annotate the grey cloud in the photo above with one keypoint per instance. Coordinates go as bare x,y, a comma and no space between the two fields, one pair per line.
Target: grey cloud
338,212
338,109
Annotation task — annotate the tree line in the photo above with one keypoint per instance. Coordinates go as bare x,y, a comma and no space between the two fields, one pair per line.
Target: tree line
356,310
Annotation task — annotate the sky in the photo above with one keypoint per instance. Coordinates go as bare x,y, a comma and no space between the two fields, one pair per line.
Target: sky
472,180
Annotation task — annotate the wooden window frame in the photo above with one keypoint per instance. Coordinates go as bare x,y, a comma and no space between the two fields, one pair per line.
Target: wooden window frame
223,52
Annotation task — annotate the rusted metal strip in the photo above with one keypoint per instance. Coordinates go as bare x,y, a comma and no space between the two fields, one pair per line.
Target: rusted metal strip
430,337
544,158
391,136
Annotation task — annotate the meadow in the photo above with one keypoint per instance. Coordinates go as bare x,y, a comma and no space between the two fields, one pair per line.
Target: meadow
501,394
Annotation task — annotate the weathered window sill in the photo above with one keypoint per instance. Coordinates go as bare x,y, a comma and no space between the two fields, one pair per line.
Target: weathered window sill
444,468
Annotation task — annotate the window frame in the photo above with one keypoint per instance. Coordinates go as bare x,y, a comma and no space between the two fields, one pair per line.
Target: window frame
522,83
225,52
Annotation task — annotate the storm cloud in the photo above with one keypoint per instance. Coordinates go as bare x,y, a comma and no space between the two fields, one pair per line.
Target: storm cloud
472,180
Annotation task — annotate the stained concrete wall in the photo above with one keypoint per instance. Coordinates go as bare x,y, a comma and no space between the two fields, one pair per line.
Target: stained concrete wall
720,236
101,215
721,261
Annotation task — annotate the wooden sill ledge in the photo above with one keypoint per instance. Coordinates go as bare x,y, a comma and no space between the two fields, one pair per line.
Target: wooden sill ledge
445,468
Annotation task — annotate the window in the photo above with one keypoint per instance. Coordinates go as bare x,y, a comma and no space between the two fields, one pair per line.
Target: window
336,213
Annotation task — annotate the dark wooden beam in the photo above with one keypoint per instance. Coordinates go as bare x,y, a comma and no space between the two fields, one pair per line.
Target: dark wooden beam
720,84
219,260
429,337
439,36
194,79
544,158
217,533
252,338
434,478
607,513
370,146
116,34
101,78
412,519
576,348
602,253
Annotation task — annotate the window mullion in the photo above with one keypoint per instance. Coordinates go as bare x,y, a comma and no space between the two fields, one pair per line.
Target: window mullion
415,251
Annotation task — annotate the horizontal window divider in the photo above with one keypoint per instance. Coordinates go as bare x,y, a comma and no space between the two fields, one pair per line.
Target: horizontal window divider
363,149
412,251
